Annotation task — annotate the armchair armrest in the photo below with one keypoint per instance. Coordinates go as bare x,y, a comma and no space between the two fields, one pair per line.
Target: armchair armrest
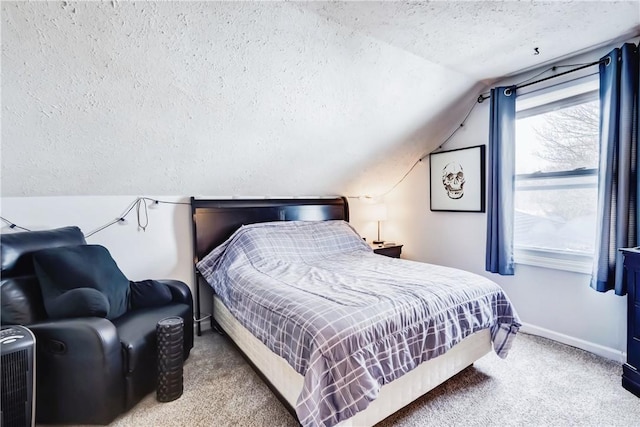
82,334
182,294
179,291
78,371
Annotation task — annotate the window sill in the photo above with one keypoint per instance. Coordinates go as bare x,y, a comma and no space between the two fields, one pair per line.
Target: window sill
557,260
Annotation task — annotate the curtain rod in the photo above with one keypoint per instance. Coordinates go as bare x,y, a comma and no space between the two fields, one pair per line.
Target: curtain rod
481,97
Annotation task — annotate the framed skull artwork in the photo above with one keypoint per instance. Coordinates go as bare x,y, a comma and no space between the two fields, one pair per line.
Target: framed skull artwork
458,180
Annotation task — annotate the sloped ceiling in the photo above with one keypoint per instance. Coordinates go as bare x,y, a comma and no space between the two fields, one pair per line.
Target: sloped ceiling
258,98
486,40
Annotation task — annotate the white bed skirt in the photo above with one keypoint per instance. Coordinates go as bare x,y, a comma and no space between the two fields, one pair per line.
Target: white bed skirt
392,397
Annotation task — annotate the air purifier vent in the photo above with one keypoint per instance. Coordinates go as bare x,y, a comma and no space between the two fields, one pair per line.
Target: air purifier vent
17,365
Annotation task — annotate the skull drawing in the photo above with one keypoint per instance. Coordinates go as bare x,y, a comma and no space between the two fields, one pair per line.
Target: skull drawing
453,180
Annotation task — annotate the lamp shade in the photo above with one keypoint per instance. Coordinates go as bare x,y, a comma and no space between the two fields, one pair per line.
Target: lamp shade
377,212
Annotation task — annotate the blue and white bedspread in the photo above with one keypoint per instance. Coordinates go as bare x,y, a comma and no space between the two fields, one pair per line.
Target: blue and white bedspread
346,319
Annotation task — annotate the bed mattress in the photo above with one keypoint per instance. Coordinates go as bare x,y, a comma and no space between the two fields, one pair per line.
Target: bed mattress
393,396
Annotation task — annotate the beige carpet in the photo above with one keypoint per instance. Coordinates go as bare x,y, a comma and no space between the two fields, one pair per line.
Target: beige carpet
541,383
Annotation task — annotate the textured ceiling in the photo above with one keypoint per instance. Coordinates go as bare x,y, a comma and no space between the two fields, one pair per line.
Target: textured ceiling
489,39
259,98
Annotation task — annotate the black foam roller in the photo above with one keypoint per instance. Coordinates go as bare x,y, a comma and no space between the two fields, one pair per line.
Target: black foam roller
170,360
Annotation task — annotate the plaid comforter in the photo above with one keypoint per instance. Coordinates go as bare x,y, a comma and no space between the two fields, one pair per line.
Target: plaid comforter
346,319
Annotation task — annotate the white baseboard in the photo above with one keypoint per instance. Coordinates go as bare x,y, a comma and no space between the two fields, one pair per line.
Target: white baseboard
600,350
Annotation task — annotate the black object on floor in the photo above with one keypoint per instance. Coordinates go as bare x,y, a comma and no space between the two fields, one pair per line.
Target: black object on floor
170,359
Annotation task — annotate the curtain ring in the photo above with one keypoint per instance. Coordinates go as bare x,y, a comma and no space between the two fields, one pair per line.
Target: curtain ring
607,61
507,91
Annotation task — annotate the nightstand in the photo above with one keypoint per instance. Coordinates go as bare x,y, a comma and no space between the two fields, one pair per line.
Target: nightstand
387,249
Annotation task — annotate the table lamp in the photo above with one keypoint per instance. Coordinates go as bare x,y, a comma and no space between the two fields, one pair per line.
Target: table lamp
378,213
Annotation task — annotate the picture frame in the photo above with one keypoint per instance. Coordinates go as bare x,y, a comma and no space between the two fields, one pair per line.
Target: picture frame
457,180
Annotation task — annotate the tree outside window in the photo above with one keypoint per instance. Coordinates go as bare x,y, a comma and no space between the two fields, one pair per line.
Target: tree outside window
556,177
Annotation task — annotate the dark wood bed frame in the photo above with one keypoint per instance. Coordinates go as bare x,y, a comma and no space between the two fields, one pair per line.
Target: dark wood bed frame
214,221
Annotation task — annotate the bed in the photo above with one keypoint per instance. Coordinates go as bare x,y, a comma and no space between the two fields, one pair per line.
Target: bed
325,322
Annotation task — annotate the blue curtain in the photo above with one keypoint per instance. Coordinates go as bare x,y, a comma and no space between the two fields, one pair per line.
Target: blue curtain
617,177
502,133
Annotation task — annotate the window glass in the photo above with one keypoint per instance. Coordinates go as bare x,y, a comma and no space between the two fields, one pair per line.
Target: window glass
556,175
560,140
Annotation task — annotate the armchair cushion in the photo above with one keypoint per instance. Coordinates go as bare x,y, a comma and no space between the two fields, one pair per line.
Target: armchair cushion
17,248
84,266
21,300
149,293
79,302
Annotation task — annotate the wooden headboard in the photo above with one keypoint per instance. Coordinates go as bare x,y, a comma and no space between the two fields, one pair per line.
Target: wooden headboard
214,221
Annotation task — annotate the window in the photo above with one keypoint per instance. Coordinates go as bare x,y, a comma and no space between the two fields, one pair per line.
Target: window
556,176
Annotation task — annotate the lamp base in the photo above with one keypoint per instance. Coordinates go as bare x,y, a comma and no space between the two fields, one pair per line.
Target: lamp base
378,242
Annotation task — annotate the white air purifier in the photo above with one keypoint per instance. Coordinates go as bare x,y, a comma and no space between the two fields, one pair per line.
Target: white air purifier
18,366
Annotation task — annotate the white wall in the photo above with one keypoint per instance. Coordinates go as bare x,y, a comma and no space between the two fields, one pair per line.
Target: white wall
552,303
163,250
